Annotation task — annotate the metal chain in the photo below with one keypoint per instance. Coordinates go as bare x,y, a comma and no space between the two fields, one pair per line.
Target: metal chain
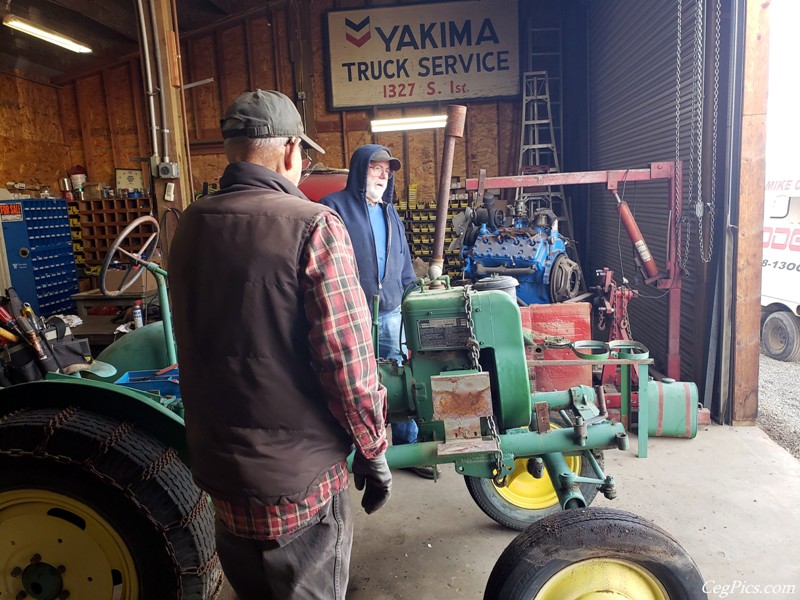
626,319
54,424
678,193
128,492
473,346
143,510
682,254
706,256
499,455
696,139
159,464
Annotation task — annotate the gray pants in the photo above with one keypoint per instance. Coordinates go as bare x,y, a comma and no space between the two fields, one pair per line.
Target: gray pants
312,564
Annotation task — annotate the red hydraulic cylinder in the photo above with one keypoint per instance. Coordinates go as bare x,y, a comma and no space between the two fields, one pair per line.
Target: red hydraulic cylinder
648,263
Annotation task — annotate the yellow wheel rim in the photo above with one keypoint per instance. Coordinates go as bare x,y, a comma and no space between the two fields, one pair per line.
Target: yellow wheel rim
601,579
523,490
50,543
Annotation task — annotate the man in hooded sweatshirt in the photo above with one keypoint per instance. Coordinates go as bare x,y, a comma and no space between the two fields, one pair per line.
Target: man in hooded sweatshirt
382,254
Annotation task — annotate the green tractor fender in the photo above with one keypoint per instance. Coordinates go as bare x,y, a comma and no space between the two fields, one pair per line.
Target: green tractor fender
142,349
113,401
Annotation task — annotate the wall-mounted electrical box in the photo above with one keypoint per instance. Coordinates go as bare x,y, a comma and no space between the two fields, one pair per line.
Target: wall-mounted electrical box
168,170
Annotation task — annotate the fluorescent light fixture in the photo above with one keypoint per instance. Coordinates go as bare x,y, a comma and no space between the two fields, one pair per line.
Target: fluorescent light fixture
42,33
408,123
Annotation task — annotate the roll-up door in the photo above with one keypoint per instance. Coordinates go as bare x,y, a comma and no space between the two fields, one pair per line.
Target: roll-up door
632,49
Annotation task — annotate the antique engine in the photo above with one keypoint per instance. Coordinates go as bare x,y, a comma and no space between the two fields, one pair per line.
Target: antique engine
531,250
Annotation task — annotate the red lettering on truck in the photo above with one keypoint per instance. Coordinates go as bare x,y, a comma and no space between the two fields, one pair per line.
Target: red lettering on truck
782,238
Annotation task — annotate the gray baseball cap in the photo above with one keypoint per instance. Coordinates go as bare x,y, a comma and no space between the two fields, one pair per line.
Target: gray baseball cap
265,114
383,155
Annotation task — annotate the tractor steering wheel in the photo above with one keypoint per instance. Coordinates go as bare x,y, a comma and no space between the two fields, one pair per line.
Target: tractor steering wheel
134,265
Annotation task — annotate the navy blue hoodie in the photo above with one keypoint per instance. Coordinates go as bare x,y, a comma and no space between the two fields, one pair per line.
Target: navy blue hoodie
351,204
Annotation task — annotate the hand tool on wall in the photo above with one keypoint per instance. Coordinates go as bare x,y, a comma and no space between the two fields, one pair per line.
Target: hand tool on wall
47,364
8,336
25,329
27,311
15,305
7,320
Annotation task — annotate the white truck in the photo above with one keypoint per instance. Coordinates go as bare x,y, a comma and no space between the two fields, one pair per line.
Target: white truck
780,270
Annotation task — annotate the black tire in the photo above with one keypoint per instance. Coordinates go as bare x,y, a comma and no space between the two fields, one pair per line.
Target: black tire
780,336
526,500
102,485
554,550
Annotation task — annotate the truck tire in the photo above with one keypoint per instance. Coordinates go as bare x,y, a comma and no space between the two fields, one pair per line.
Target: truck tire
594,552
525,499
780,336
94,507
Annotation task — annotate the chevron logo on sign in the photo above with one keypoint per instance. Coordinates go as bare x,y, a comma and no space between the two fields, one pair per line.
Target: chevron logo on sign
357,34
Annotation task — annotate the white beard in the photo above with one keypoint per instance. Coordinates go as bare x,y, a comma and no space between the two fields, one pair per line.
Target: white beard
374,193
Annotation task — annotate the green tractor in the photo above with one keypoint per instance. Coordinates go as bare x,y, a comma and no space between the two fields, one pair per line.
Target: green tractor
97,499
96,496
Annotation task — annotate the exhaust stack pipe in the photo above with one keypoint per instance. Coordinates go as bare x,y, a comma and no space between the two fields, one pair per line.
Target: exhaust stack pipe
456,117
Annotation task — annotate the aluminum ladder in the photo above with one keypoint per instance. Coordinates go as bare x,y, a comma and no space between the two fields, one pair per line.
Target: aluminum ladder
538,152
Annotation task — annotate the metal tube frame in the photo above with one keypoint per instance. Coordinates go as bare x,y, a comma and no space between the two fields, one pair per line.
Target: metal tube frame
670,280
518,443
166,314
565,482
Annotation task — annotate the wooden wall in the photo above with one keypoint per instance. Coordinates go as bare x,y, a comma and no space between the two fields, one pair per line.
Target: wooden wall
341,132
105,124
31,137
270,53
91,121
250,54
749,233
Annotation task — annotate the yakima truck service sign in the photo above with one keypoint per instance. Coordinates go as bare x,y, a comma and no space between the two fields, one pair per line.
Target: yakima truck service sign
423,53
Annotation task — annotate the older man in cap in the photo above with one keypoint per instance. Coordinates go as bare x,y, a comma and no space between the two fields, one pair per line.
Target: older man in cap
382,254
277,370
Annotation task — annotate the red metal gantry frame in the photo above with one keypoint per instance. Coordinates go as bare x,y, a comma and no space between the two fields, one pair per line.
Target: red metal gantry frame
670,278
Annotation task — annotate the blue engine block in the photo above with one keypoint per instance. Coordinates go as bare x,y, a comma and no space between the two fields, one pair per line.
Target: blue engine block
535,254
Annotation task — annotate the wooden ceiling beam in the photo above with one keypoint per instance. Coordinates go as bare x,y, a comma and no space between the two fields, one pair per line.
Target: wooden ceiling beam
119,17
35,53
226,6
109,27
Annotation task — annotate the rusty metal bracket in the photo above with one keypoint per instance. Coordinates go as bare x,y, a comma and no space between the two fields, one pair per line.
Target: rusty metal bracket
542,412
459,401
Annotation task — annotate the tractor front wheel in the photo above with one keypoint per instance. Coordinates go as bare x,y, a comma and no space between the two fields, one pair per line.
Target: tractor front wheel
91,507
525,499
594,553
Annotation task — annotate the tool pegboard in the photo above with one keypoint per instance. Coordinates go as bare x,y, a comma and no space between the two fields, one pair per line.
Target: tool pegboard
37,253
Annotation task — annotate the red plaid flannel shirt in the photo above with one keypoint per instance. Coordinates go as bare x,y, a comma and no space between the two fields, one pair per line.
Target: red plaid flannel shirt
342,351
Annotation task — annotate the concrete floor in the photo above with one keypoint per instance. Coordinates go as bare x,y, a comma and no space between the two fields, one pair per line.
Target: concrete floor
730,497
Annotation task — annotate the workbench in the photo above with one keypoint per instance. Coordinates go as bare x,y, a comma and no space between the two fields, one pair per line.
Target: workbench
86,300
99,330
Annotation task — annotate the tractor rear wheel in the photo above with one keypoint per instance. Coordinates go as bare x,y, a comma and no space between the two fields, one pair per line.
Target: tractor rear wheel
594,553
525,499
94,507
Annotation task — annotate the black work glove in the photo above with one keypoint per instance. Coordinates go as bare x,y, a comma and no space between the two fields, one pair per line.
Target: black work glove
375,474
